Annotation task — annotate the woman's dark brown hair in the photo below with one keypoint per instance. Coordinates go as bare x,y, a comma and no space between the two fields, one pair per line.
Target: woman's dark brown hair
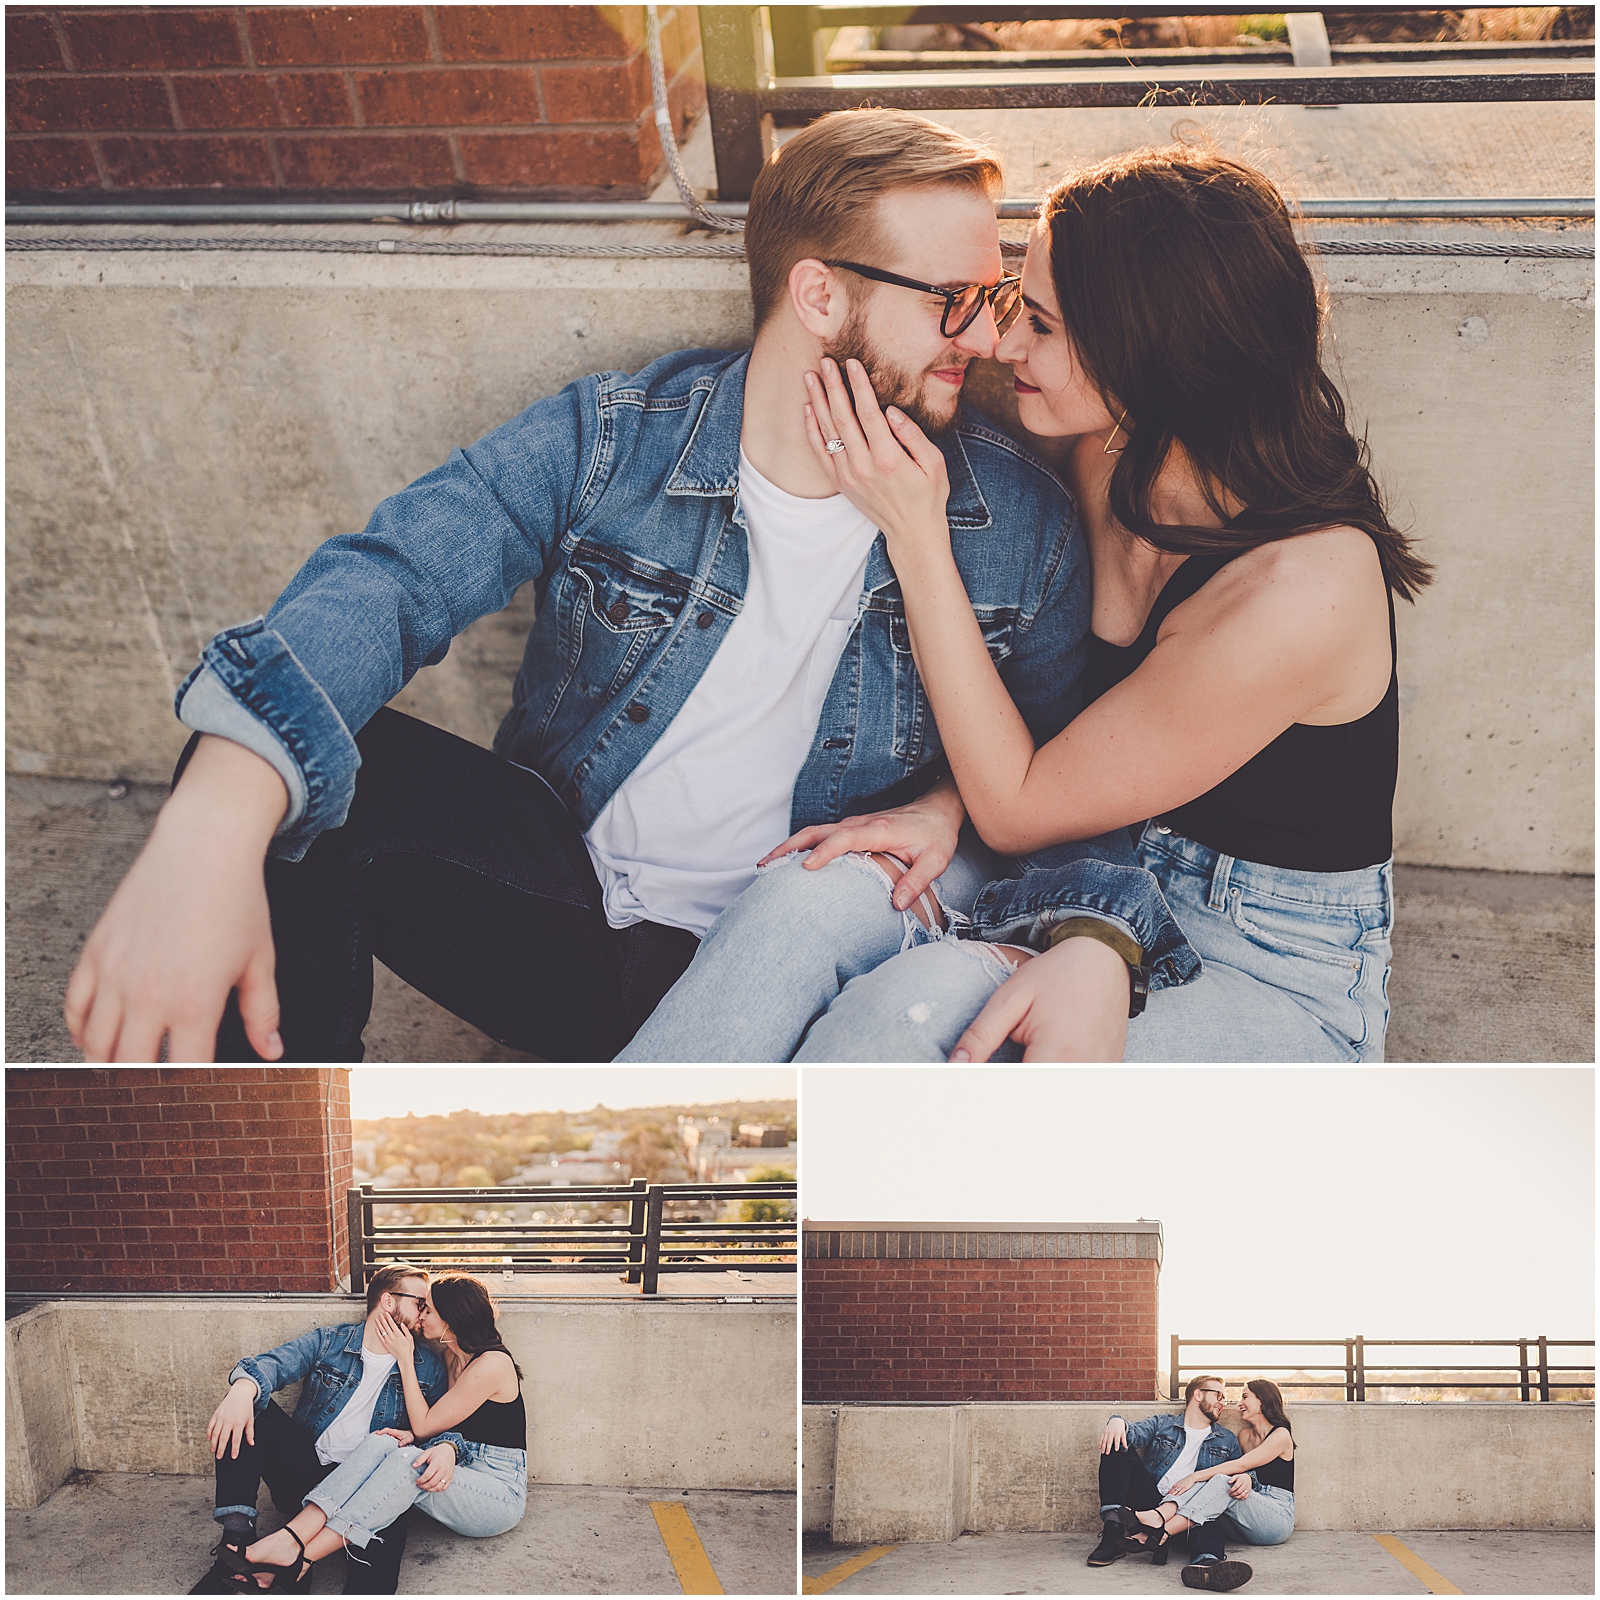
1271,1398
1185,292
467,1307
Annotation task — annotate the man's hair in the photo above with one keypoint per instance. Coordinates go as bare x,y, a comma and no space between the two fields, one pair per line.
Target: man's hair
1194,1383
818,195
387,1280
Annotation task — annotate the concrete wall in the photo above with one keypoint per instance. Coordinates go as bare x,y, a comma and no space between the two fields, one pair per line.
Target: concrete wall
899,1473
184,429
621,1392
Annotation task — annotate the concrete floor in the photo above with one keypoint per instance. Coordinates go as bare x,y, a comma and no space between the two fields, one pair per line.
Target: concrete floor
1310,1563
1488,966
111,1533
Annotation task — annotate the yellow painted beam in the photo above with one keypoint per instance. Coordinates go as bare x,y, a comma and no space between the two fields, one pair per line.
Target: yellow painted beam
1419,1569
688,1555
846,1569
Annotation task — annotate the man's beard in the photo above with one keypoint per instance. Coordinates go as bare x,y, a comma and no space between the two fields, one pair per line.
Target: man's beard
892,383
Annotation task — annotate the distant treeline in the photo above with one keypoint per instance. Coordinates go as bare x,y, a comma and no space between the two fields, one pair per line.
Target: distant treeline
474,1148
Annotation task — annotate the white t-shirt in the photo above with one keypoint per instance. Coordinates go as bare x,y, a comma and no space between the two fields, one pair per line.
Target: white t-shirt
354,1422
1193,1438
679,840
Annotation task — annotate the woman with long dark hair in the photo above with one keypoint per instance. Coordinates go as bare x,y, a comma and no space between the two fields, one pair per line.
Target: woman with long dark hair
1244,711
1264,1516
484,1493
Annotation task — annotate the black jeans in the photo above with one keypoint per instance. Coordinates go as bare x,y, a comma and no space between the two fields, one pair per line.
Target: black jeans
1126,1481
466,875
284,1455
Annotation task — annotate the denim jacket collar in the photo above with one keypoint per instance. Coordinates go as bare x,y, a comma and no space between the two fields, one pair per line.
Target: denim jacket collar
709,463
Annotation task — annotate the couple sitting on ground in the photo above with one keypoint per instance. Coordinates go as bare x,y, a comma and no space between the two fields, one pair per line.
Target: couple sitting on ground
1197,1475
800,591
344,1466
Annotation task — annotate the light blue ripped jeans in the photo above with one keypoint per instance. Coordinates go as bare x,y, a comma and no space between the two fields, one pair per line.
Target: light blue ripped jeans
377,1483
1264,1516
775,961
1295,967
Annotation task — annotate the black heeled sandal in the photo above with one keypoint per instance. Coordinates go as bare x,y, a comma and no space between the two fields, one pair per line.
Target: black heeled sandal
1155,1542
285,1579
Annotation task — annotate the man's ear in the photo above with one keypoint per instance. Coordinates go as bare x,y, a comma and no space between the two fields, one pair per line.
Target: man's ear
818,297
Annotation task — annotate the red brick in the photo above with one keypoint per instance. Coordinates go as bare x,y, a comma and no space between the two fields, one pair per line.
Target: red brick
313,36
199,162
448,97
566,160
153,37
31,42
607,93
539,33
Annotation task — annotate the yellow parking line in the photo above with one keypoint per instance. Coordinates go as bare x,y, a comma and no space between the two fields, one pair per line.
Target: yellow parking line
1416,1566
689,1558
847,1569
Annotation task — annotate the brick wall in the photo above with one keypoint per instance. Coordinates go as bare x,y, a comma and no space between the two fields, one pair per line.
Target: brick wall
179,102
1002,1327
177,1178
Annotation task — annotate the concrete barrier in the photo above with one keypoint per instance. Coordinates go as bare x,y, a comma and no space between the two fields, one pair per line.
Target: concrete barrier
893,1474
183,429
622,1393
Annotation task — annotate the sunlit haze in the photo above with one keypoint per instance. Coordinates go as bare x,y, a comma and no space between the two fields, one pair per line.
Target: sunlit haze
434,1091
1420,1203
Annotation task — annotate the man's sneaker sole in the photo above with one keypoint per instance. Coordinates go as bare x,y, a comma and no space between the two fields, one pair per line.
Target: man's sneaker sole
1218,1576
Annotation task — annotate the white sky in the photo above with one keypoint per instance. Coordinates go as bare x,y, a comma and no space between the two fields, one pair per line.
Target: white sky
434,1091
1393,1202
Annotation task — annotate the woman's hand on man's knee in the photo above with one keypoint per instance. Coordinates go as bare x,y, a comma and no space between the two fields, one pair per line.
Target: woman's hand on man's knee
922,834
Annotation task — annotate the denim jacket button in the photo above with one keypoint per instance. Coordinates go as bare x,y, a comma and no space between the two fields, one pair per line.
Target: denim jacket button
1161,827
619,612
704,620
637,712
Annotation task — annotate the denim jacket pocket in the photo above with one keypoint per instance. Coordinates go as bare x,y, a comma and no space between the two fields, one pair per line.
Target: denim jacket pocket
618,610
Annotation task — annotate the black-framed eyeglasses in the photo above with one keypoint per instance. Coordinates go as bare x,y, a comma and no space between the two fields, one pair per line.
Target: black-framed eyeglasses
402,1294
961,304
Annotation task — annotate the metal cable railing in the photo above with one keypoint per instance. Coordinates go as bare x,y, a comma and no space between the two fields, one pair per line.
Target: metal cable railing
638,1240
1530,1373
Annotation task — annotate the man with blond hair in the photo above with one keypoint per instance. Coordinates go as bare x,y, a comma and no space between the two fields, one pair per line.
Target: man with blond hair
720,657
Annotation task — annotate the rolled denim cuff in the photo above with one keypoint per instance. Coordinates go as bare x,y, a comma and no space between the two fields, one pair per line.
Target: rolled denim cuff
249,1369
1094,878
439,1438
286,718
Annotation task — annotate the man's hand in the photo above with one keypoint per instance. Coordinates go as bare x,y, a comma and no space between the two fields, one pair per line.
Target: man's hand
234,1419
923,833
1069,1004
399,1435
435,1468
1239,1486
188,923
1115,1436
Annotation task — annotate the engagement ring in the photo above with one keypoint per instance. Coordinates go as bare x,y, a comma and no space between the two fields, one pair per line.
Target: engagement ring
835,446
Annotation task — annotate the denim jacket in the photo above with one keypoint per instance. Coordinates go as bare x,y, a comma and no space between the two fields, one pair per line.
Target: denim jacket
1161,1439
329,1359
618,499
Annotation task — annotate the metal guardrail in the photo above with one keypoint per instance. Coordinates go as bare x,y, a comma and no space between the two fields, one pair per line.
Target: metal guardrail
645,1244
743,99
1529,1375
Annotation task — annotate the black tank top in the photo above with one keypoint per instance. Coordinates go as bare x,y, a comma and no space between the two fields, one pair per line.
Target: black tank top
1279,1474
501,1422
1317,799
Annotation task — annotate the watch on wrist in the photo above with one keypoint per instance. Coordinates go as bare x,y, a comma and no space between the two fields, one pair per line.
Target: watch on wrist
1113,938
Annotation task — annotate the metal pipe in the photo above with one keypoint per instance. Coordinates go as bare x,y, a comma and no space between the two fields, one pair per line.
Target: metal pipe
433,213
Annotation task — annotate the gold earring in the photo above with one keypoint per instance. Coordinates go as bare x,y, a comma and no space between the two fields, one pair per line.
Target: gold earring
1108,451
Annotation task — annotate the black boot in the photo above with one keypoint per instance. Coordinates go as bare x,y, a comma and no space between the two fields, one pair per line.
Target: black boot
1219,1576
